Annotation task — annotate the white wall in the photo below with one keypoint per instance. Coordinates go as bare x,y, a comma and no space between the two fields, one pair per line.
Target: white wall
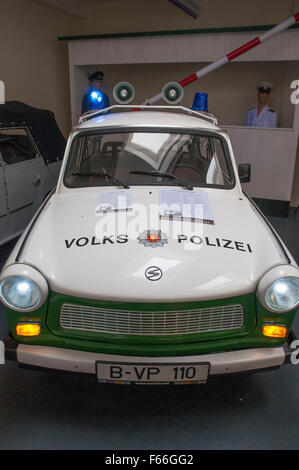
34,64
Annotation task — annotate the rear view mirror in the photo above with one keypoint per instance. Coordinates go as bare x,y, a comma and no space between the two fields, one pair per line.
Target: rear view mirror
244,171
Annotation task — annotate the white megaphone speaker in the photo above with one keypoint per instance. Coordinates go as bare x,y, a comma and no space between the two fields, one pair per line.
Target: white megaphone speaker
172,92
123,93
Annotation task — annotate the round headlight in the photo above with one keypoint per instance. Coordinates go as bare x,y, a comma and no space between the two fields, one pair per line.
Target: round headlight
283,294
22,288
278,290
20,292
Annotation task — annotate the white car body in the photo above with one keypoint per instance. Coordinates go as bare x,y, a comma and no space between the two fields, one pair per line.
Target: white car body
224,259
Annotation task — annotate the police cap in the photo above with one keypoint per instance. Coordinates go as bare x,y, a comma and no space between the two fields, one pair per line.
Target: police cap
264,86
96,76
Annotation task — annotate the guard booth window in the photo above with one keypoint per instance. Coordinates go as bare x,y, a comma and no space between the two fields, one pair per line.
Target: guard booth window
16,146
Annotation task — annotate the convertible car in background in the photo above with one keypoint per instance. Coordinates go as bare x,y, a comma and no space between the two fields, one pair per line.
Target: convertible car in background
31,151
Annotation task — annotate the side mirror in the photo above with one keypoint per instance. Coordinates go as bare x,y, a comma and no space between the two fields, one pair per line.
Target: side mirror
244,171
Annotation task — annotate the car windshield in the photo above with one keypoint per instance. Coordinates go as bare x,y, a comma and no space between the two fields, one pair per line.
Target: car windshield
137,158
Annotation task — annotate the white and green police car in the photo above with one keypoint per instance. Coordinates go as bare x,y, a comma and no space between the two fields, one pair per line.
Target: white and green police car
148,263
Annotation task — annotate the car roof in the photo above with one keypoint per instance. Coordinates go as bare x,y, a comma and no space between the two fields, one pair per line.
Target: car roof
148,119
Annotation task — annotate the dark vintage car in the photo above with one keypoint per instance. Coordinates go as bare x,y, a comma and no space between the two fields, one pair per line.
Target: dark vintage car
31,151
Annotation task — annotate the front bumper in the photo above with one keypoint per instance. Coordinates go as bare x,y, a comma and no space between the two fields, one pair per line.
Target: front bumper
69,360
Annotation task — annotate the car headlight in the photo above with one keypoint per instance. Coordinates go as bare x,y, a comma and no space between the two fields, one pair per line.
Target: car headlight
20,292
278,290
22,288
283,294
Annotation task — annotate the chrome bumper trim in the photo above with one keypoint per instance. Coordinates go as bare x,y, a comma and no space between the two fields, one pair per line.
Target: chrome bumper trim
85,362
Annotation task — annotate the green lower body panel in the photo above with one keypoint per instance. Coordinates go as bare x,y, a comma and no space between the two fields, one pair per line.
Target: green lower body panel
166,329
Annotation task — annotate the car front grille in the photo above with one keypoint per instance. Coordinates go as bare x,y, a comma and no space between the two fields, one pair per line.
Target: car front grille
125,322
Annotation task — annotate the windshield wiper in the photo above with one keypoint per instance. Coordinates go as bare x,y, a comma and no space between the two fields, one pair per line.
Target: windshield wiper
166,175
103,175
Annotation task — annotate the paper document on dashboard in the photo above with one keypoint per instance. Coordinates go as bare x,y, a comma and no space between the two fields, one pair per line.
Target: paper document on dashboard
186,205
115,200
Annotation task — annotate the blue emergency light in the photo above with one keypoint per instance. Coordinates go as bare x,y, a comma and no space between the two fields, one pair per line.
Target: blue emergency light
96,96
200,102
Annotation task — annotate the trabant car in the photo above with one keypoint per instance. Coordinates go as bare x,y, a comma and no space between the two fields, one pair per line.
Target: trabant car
31,150
149,264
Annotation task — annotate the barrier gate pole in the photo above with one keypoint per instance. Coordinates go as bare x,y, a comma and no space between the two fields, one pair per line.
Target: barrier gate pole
231,55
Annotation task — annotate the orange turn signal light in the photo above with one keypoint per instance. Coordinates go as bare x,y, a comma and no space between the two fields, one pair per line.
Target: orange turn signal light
274,331
28,329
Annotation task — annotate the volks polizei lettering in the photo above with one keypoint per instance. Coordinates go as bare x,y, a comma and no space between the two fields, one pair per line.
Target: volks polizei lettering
106,240
194,239
217,242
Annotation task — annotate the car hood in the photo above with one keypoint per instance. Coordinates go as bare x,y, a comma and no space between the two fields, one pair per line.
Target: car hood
81,256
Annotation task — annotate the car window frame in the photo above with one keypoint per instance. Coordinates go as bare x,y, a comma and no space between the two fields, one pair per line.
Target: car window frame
29,134
128,129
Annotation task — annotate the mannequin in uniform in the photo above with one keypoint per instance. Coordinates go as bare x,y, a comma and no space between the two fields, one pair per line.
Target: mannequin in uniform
262,115
89,104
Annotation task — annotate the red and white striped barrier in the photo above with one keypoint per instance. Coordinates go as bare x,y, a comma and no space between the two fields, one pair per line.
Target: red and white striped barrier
232,55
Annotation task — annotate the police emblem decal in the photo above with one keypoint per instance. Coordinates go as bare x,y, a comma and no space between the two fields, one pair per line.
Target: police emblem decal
152,238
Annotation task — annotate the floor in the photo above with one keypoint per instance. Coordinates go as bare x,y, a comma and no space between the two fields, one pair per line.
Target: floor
40,410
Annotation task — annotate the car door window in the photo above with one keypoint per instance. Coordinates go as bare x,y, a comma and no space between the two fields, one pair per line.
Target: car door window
16,146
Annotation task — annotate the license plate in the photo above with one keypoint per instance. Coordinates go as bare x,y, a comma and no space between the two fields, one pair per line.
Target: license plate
154,373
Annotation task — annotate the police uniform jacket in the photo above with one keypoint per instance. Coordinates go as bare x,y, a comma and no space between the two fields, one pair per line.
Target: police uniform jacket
266,118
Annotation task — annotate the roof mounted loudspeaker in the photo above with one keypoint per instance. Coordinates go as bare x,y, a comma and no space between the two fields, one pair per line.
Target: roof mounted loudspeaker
172,92
123,93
